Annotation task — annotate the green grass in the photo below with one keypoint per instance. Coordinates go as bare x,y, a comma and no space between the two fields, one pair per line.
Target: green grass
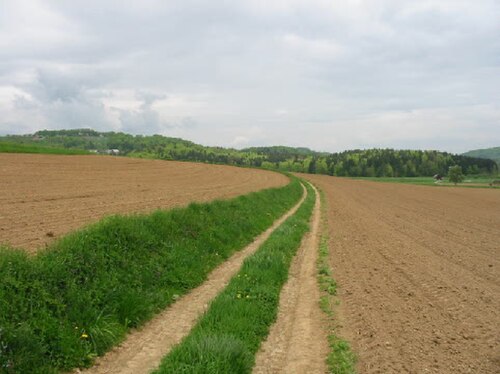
227,337
341,359
66,305
10,147
469,181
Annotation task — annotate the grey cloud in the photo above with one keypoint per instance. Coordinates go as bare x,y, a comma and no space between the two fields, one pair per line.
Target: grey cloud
64,100
145,120
52,87
316,72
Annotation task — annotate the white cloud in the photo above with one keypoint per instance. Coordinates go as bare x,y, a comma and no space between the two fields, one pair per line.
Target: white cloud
323,49
327,75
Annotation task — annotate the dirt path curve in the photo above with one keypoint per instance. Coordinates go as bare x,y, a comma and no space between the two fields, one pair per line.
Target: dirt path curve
418,270
144,348
297,343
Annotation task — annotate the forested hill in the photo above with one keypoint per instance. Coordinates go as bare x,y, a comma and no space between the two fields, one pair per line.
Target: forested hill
371,162
280,151
491,153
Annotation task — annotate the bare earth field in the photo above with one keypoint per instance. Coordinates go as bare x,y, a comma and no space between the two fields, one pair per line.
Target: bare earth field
419,275
45,196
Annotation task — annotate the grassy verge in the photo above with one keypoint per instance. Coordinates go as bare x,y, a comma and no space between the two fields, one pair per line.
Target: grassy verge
341,359
8,147
227,337
61,308
469,181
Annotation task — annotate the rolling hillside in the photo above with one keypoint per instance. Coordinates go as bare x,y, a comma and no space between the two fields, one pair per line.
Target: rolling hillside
489,153
352,163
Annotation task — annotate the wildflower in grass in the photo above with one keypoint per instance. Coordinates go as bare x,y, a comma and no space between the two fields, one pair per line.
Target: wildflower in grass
84,336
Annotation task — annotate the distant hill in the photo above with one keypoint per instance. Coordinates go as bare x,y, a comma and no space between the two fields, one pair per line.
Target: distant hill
355,163
489,153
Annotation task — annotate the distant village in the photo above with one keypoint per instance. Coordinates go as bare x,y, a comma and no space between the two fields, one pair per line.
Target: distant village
112,152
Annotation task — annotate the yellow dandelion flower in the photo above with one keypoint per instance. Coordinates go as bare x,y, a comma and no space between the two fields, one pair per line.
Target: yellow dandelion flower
84,336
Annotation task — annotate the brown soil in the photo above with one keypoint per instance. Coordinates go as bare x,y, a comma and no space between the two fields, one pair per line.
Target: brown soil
418,269
143,349
297,342
45,196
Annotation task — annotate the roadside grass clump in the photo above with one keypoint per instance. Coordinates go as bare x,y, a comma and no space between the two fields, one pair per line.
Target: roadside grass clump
228,335
77,299
341,359
10,147
326,282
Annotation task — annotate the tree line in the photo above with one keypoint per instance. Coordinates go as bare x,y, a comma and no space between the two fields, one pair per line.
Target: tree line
353,163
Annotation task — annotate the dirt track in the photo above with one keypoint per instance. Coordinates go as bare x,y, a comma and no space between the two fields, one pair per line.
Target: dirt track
297,342
144,349
418,270
45,196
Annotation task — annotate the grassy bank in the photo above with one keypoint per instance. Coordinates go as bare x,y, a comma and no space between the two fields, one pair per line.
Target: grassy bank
8,147
227,337
469,181
61,308
341,359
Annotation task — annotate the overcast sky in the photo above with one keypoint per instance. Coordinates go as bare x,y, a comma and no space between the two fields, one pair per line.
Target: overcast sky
326,74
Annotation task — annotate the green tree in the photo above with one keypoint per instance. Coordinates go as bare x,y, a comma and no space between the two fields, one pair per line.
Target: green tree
388,171
455,174
370,171
321,166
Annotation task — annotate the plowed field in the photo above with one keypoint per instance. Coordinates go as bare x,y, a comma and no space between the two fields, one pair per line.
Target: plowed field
43,196
419,275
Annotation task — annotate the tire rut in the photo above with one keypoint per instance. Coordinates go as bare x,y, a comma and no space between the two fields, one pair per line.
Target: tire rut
144,348
296,342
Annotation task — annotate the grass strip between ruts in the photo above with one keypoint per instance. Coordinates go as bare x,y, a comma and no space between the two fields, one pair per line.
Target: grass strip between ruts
77,299
341,359
228,335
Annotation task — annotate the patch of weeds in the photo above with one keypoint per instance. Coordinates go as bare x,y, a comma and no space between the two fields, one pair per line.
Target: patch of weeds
324,303
341,359
326,282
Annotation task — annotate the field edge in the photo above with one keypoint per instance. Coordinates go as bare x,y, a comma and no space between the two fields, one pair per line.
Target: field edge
79,286
341,359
